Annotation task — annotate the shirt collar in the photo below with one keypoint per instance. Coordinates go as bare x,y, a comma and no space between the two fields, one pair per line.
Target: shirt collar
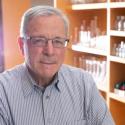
29,84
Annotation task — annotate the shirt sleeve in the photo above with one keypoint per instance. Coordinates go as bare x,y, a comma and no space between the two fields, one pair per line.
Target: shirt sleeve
3,118
4,108
98,111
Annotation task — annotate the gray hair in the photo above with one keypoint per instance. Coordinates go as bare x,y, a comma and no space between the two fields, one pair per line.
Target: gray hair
42,11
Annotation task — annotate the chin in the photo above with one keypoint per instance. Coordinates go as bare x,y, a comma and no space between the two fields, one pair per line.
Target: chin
48,74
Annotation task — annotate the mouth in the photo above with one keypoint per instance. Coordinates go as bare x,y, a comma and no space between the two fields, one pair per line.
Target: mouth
47,63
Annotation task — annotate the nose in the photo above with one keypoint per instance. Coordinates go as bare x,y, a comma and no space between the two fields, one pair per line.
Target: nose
49,49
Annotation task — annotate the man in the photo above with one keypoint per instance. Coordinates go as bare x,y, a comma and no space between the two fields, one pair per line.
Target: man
43,91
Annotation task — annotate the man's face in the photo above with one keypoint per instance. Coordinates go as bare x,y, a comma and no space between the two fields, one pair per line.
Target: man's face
44,61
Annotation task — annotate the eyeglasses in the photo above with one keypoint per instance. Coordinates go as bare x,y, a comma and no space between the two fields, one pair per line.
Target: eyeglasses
42,41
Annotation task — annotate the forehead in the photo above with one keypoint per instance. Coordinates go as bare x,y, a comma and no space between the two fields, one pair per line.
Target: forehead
51,24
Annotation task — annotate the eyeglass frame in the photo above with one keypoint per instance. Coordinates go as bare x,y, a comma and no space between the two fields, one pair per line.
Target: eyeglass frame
66,41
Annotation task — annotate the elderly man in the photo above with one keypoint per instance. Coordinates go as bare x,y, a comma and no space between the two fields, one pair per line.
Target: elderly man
42,90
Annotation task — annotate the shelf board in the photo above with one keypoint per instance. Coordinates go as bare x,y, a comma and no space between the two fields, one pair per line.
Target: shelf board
101,87
89,6
89,50
117,59
117,97
117,4
117,33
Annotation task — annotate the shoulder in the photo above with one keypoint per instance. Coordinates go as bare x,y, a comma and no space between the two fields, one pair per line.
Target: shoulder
74,72
77,81
70,69
8,89
10,82
10,76
76,76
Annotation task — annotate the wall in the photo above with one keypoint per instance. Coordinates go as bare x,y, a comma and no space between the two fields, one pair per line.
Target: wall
11,13
42,2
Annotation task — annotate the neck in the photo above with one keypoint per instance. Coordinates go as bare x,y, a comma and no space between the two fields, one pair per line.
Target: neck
41,81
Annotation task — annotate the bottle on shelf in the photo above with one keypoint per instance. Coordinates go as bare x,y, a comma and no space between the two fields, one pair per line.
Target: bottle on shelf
74,1
114,49
120,23
90,1
122,50
93,29
82,62
75,61
90,35
124,24
97,68
78,1
81,1
118,18
119,49
83,34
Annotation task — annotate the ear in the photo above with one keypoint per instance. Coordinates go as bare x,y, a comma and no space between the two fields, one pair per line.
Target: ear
21,45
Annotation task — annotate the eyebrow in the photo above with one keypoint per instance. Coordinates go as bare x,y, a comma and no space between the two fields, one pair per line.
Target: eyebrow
47,37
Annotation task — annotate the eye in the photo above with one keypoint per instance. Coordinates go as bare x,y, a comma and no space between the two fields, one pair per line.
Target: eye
38,40
59,41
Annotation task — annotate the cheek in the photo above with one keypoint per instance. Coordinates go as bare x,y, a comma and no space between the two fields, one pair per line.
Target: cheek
35,54
61,55
31,54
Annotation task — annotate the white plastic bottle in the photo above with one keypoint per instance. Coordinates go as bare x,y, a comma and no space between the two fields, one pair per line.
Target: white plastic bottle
120,23
83,34
124,24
